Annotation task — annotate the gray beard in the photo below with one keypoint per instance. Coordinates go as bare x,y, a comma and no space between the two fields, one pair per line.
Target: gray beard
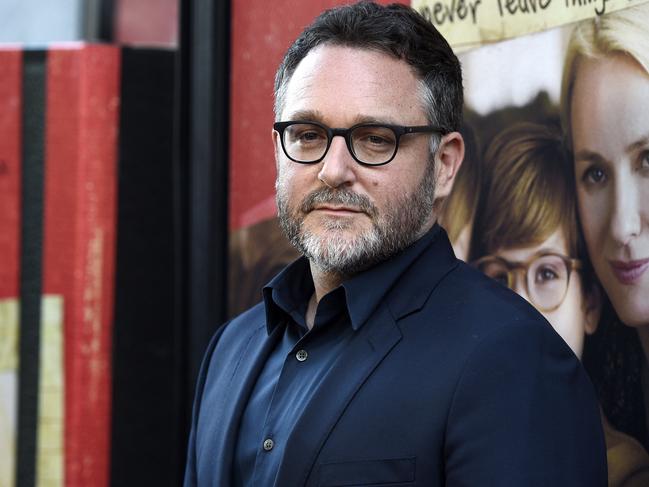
333,252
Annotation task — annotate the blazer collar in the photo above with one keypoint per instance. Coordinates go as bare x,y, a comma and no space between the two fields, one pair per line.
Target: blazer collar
420,279
367,290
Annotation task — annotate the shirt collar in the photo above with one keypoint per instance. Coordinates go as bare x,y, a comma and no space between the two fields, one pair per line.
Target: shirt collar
289,292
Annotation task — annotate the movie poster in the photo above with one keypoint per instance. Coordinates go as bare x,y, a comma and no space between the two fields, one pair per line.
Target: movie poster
552,198
558,135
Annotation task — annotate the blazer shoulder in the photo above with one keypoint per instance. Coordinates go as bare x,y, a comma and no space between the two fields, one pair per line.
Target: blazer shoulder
518,380
254,311
467,310
247,321
239,330
480,297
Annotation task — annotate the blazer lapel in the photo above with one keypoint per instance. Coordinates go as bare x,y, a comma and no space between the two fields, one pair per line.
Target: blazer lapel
222,407
418,282
373,342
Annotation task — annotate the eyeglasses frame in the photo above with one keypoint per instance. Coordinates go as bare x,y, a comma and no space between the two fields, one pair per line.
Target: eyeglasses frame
572,264
399,130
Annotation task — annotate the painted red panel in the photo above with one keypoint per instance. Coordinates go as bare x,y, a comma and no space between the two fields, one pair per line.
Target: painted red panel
10,170
79,242
261,33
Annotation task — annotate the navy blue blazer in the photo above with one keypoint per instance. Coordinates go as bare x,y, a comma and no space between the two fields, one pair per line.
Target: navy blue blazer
453,381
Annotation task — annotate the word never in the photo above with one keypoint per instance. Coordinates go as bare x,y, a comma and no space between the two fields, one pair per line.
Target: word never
441,12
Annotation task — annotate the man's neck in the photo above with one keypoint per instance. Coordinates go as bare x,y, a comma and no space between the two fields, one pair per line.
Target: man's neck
324,282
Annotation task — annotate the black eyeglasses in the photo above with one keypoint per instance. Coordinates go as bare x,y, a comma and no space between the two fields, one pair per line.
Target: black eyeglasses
370,144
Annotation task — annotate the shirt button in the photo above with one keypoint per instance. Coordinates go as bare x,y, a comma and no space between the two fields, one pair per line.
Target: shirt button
301,356
268,444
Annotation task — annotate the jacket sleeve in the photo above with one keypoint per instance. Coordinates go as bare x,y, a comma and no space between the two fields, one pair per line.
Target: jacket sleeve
191,475
524,413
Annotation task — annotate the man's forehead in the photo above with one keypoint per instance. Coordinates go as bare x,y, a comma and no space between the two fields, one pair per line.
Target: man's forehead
372,62
348,78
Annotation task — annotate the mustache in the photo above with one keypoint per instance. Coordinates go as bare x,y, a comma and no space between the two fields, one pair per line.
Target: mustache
341,197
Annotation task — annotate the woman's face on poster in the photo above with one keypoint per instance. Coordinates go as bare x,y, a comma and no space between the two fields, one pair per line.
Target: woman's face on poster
610,135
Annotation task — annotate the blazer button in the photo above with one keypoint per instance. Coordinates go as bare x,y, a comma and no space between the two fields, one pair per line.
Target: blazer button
301,356
268,444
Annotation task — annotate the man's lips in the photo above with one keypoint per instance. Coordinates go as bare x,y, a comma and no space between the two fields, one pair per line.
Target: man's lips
630,271
338,210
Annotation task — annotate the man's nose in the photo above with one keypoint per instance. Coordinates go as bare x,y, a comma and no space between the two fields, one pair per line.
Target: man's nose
338,166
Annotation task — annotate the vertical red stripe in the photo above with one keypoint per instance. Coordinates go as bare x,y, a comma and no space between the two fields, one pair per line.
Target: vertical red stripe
79,249
10,171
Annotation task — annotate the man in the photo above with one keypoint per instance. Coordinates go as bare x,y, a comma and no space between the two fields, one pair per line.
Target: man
378,358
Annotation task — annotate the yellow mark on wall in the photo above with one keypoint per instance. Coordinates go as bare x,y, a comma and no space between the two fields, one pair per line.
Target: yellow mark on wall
49,463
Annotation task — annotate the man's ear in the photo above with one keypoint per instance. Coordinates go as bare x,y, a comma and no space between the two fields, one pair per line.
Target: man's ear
277,146
448,160
592,307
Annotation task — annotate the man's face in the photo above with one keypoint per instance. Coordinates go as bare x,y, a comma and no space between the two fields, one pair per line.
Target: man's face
343,216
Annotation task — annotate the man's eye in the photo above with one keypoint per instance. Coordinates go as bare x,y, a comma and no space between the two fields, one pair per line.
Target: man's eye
377,140
308,137
373,139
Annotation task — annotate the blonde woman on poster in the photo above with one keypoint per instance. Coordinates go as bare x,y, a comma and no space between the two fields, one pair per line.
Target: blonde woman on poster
526,236
605,103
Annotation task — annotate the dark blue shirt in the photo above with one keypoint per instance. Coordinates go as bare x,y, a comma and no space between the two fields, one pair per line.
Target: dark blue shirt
303,357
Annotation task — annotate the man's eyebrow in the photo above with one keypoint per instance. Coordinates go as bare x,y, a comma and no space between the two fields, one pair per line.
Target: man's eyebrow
372,119
317,116
312,115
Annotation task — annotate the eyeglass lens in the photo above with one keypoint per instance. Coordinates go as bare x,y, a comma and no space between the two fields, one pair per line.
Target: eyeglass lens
305,142
546,279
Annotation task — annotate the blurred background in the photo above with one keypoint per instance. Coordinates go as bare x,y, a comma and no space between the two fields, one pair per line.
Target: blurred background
113,226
